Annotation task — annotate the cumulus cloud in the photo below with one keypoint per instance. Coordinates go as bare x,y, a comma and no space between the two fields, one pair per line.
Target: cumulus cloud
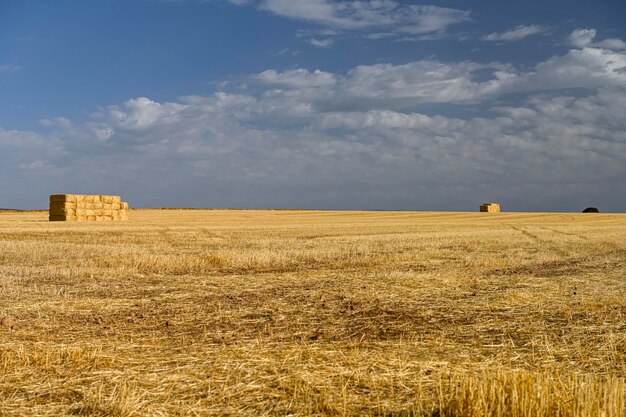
388,86
317,139
581,38
520,32
225,146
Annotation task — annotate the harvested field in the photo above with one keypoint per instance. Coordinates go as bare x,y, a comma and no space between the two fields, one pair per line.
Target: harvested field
216,312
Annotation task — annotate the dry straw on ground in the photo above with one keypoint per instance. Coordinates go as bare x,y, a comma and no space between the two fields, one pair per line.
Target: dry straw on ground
314,313
76,207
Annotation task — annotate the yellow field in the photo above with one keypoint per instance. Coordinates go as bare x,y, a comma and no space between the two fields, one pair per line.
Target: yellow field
180,312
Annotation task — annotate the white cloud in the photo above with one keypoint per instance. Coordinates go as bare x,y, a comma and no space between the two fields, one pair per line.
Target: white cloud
353,140
520,32
299,78
388,86
570,148
321,43
366,15
582,38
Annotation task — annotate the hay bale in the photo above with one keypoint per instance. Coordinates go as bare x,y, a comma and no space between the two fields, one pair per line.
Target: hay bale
75,207
490,208
64,198
56,218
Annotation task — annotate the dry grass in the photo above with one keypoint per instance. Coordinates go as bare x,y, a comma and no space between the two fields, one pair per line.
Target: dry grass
314,313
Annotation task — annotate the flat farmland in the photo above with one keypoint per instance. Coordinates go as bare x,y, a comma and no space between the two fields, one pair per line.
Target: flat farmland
228,312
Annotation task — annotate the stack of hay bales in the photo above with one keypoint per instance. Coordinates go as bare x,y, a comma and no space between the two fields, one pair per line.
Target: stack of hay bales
490,208
93,208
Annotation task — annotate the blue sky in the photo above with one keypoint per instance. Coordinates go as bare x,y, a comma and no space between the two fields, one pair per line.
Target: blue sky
348,104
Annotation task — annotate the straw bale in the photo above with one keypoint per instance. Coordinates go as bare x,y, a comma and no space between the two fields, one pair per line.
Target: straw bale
57,218
63,197
57,205
77,207
62,211
62,204
490,208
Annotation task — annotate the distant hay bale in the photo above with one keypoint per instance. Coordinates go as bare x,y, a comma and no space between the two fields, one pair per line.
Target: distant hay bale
490,208
591,210
75,207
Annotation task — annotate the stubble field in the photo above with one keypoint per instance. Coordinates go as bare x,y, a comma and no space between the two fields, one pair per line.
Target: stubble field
217,312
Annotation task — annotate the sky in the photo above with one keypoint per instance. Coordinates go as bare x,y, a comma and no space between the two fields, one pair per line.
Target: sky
320,104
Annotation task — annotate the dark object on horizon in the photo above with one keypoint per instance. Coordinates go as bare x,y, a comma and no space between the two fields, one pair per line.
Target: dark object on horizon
591,210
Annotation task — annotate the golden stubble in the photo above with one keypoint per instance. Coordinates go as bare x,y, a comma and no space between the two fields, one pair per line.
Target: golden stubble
226,312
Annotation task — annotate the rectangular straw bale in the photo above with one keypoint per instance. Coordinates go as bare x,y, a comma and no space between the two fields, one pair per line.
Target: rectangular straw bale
57,218
58,205
78,207
490,208
62,211
71,198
